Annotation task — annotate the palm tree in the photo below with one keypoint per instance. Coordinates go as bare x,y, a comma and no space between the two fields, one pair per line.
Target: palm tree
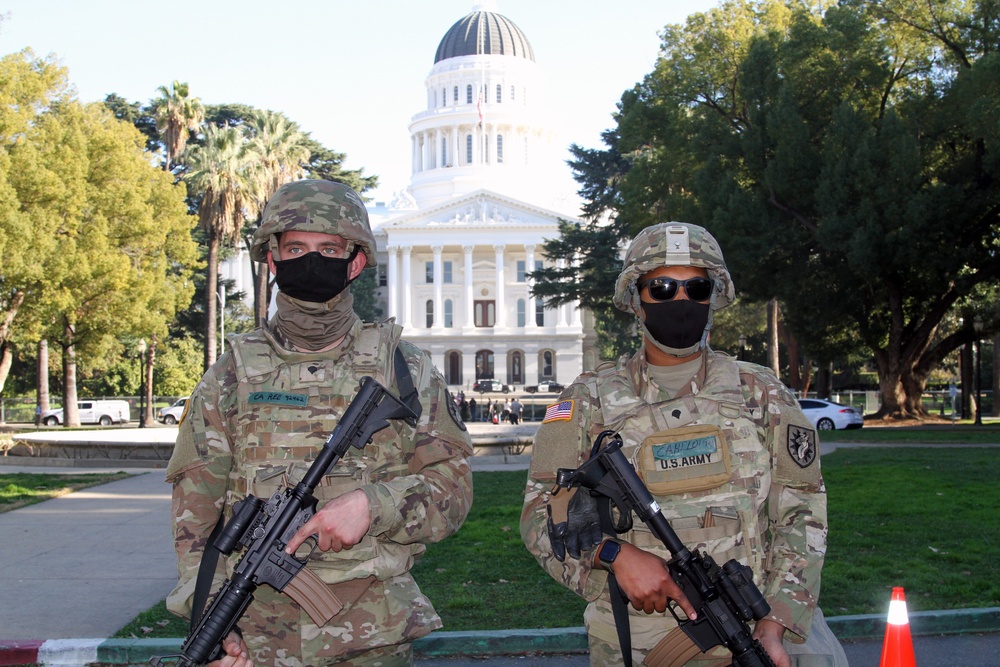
176,115
280,152
220,172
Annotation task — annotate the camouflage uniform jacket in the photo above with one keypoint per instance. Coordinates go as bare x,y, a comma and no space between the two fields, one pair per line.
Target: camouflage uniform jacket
769,514
254,423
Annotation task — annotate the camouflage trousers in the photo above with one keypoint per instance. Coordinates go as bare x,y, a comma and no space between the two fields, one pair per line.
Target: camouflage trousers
821,649
376,631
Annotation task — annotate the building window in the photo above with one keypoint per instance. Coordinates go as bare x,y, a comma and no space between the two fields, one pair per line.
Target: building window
512,93
453,369
429,273
499,148
547,364
499,94
382,279
448,314
522,274
539,312
516,368
444,151
484,364
468,94
444,97
456,95
446,278
435,99
485,313
521,316
468,149
430,313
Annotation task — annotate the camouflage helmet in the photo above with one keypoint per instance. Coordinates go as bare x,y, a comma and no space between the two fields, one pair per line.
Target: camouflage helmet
314,206
672,244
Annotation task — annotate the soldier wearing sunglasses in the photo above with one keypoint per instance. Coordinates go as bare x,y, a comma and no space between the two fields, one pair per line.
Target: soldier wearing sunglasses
721,444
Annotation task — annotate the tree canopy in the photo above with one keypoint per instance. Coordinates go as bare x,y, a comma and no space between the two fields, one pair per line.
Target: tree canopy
845,155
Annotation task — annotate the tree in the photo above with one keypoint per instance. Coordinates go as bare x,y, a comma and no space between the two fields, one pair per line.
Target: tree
279,152
176,114
219,172
825,146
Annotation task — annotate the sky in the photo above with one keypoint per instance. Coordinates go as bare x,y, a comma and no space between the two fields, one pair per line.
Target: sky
349,73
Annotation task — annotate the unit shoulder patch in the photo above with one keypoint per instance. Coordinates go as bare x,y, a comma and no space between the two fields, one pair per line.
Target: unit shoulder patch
802,445
453,411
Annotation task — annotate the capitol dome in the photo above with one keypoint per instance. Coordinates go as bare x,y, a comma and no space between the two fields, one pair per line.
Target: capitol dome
484,33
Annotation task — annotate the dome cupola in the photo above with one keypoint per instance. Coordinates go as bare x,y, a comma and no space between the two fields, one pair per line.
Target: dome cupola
484,32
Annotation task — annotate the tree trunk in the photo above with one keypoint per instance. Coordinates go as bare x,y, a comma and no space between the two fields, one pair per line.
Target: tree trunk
6,360
71,412
42,378
772,337
967,387
211,290
261,293
996,376
6,353
150,359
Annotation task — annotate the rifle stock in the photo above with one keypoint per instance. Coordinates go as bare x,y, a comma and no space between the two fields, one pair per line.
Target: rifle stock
266,528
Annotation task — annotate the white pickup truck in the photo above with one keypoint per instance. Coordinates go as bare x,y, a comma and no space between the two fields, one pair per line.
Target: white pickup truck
104,413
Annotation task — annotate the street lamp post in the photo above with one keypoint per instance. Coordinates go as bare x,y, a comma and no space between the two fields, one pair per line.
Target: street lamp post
141,349
743,344
977,324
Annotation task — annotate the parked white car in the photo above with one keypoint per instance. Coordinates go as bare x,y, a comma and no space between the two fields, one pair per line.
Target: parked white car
827,415
104,413
172,415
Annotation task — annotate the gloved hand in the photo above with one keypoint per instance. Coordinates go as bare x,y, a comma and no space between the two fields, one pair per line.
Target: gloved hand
573,524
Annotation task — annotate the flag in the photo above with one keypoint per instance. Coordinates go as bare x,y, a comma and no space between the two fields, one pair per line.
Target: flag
479,107
559,412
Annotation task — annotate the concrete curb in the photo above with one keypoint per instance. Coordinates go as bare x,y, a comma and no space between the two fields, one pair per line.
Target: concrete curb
473,643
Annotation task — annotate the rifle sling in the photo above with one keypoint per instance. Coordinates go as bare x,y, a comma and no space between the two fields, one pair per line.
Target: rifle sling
206,572
619,603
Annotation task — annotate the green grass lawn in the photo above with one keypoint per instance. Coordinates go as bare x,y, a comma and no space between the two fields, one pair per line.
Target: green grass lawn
20,489
930,434
923,519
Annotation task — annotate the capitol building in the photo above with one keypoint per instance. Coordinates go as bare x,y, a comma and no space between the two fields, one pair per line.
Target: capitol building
456,246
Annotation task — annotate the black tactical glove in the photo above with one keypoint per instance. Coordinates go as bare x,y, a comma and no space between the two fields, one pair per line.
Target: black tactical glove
573,523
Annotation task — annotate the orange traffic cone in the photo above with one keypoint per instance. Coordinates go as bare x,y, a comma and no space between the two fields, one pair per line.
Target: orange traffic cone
897,647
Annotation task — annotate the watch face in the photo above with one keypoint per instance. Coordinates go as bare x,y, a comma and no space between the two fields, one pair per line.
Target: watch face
609,552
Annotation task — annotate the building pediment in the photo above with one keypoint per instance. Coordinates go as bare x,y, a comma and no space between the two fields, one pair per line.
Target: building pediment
482,210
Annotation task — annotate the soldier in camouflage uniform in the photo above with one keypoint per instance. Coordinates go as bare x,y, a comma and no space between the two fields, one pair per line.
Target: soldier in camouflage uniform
721,444
259,415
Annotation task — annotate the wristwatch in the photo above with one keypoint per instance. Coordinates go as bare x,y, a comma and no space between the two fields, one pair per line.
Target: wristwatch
608,553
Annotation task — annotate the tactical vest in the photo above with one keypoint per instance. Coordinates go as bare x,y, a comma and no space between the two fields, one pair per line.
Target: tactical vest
724,520
287,406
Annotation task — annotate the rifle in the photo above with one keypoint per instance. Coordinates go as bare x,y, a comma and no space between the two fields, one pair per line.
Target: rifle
725,598
266,528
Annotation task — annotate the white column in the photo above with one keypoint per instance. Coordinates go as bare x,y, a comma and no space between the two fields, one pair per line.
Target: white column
561,322
413,154
574,306
392,280
501,305
406,314
529,306
438,279
469,297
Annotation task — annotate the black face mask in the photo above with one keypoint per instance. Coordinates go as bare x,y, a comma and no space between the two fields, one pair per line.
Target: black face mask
679,323
313,277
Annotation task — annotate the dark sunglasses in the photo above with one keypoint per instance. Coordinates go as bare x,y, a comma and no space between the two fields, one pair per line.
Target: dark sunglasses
665,289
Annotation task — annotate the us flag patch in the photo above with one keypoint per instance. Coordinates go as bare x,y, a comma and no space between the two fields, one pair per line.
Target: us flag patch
558,412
